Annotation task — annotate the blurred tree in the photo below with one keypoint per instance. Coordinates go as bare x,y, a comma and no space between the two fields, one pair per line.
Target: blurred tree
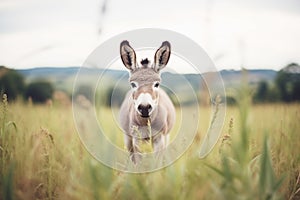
114,96
11,83
86,91
283,86
273,94
230,100
262,92
296,88
266,93
39,91
288,83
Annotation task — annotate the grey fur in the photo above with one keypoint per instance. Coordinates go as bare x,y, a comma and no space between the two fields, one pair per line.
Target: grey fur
162,118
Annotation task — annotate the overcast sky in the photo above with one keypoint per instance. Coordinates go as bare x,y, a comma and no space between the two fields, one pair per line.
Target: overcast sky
252,33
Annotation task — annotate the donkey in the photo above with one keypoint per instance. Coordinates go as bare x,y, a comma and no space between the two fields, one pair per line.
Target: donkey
147,113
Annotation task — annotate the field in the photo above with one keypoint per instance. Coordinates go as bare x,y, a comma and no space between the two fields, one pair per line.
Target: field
257,157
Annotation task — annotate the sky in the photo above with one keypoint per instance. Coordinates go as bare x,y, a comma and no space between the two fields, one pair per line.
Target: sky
58,33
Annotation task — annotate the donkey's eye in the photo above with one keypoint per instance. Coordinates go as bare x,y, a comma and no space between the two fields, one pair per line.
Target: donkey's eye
156,85
133,85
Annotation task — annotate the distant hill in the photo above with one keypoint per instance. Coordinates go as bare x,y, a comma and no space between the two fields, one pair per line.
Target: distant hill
232,77
64,77
49,73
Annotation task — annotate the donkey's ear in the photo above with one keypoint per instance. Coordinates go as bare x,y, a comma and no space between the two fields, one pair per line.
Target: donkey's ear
162,56
128,55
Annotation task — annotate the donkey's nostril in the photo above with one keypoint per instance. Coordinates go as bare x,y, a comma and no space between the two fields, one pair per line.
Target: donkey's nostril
140,108
144,110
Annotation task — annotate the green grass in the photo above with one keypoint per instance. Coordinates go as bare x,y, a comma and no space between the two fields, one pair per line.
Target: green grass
257,157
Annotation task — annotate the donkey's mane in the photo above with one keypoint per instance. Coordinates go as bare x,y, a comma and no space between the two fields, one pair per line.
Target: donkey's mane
145,62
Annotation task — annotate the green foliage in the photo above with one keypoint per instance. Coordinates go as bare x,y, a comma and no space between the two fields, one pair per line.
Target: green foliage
288,84
11,83
262,92
266,92
244,175
230,100
268,184
86,91
296,89
7,151
283,85
39,91
114,96
8,183
52,163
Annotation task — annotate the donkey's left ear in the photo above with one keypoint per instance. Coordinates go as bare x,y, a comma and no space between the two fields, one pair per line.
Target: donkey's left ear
162,56
128,55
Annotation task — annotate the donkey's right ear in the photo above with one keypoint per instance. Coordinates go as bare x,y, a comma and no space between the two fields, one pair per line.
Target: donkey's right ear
128,55
162,56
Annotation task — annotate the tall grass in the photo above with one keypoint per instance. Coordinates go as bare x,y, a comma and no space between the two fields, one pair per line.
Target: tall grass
245,174
7,151
43,158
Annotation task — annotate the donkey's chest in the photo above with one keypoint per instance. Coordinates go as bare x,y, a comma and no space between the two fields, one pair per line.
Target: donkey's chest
145,132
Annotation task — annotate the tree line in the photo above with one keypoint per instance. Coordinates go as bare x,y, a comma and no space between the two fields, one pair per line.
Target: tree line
13,85
285,88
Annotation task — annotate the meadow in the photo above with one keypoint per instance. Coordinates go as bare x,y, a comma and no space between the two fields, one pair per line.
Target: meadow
256,157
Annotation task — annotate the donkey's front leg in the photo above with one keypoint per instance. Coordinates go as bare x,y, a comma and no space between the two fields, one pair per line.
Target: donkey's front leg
133,148
128,142
159,143
136,155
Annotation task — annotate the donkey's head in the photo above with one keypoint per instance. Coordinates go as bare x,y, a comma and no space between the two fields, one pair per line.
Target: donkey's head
145,77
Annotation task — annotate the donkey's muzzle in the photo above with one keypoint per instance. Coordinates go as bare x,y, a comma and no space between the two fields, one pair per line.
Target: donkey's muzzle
145,110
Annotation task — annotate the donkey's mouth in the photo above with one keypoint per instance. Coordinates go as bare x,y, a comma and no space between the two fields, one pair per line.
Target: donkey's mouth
143,114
